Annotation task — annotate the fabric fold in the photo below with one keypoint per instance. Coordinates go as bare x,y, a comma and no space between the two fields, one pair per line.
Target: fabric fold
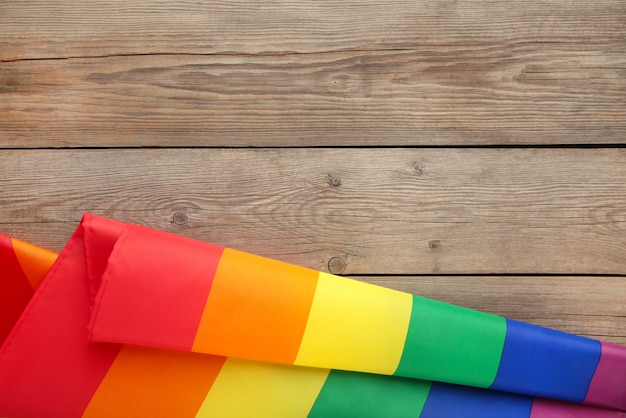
113,331
241,305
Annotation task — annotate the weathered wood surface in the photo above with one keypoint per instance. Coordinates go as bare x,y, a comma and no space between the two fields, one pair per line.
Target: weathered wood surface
449,95
381,211
70,28
293,73
479,227
385,213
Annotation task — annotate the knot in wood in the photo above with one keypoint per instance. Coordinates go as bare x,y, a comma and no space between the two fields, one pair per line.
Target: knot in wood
434,244
180,218
336,265
334,181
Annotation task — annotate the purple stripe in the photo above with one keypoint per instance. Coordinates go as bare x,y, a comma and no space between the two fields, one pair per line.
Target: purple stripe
545,408
608,385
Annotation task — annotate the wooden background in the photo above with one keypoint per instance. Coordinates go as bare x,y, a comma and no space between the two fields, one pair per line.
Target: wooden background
468,151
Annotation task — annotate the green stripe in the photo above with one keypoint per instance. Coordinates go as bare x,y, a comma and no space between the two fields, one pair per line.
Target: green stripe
362,395
452,344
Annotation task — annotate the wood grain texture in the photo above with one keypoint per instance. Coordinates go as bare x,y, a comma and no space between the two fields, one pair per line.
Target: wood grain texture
379,211
111,77
35,29
292,73
589,306
522,94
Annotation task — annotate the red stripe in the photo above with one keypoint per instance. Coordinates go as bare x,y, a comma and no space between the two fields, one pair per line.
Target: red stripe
101,234
154,289
47,366
15,289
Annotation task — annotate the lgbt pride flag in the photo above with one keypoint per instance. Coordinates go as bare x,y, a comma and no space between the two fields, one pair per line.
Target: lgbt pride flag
135,322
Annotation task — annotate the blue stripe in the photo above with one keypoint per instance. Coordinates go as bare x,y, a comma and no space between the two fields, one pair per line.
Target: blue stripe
548,363
445,401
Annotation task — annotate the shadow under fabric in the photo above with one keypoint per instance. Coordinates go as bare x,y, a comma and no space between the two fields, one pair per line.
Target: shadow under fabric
131,321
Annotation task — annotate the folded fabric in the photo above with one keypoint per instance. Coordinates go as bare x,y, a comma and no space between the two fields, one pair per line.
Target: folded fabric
132,285
22,267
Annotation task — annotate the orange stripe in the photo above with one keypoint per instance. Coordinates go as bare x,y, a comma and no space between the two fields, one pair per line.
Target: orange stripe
35,261
15,289
257,308
148,382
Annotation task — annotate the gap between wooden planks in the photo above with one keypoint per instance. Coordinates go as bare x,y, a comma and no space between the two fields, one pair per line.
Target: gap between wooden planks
389,213
583,305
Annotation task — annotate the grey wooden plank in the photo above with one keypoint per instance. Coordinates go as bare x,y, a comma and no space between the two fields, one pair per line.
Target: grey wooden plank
444,95
583,305
371,211
34,29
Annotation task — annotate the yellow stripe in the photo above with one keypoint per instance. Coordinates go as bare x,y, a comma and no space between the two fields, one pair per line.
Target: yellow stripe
355,326
255,389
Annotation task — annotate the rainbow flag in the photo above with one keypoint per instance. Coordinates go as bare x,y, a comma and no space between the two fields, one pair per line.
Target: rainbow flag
85,344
